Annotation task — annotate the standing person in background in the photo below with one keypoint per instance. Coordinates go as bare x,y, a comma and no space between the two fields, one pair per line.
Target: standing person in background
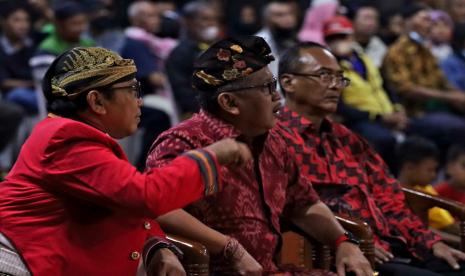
200,28
280,23
16,48
72,204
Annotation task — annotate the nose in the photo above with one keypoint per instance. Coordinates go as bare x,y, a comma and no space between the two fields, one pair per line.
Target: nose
276,96
140,102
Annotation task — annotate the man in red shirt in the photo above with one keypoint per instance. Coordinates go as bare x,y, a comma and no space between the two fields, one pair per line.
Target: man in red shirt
350,177
239,100
454,187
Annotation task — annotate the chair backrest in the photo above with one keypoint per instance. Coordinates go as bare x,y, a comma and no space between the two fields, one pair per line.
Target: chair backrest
421,202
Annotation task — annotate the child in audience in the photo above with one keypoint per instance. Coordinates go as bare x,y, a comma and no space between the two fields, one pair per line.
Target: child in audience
454,187
418,164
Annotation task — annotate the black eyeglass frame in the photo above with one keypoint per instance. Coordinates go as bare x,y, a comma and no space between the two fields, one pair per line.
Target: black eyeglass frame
345,81
135,87
272,87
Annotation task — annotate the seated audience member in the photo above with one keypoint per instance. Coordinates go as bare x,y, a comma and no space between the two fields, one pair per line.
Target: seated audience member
149,53
456,9
16,48
454,65
418,161
72,204
11,116
241,225
70,22
349,176
454,187
280,23
413,72
392,26
441,34
200,28
365,106
366,27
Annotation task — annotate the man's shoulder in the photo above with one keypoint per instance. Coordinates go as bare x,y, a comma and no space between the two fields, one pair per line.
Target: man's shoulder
193,130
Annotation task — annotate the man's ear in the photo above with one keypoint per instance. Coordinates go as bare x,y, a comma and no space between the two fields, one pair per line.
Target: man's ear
228,103
287,83
95,101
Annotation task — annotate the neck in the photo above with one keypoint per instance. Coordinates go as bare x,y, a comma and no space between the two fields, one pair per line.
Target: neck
15,42
363,39
456,185
247,136
403,179
305,112
91,120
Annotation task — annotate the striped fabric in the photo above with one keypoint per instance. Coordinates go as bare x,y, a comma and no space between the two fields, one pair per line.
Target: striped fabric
208,168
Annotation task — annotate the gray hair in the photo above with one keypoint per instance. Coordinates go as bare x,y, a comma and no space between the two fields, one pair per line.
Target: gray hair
137,7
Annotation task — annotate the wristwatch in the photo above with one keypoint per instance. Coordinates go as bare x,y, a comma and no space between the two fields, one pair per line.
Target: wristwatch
346,237
351,238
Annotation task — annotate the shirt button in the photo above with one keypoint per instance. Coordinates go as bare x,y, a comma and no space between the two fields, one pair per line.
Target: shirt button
147,225
135,255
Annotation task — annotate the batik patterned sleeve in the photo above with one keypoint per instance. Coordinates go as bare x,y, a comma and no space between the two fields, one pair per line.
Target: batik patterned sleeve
170,146
391,200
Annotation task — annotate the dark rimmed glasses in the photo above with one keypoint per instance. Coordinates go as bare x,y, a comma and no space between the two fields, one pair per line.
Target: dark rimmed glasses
271,86
135,89
328,79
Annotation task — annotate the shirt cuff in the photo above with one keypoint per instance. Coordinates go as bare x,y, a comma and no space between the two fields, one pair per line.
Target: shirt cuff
208,166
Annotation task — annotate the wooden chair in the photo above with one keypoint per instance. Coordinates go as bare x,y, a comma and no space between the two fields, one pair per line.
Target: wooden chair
196,258
421,202
306,252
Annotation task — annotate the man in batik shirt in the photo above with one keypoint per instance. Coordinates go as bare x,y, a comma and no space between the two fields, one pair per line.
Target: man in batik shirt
239,100
350,177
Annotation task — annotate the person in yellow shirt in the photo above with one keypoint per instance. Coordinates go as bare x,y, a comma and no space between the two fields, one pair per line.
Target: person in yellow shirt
418,160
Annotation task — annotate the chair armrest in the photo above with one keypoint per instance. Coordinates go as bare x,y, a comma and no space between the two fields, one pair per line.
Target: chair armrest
363,232
196,257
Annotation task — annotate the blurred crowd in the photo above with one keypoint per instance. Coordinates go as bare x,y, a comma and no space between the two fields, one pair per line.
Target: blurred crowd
406,63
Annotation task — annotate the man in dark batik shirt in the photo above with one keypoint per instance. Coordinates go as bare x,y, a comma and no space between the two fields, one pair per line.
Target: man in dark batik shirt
239,100
350,177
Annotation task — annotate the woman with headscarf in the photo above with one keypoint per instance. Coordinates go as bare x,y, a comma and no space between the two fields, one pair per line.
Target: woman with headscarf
72,204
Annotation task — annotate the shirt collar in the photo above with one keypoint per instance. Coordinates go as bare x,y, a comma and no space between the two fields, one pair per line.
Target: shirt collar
8,48
302,124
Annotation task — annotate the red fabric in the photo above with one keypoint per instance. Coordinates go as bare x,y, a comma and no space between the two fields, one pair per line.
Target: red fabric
446,190
251,204
73,205
352,179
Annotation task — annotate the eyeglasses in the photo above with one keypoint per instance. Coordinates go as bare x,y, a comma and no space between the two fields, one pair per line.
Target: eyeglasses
271,86
135,89
328,79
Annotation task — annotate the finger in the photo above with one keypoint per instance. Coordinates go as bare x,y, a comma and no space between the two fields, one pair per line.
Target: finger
451,261
368,270
459,255
358,272
341,269
381,254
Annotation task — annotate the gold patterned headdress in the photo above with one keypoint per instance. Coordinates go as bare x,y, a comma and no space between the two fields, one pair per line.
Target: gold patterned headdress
84,68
